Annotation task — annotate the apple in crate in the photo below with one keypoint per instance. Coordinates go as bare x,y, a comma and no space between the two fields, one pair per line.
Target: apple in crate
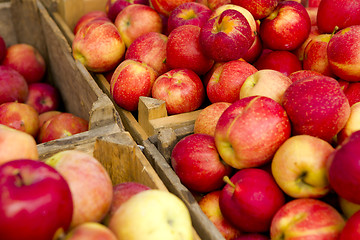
241,204
197,163
299,166
260,10
90,231
165,7
278,32
98,46
3,48
113,7
209,204
344,53
181,89
20,116
191,13
43,97
16,144
131,80
27,60
183,50
13,86
307,218
316,106
43,117
88,17
135,20
89,182
61,125
250,131
35,201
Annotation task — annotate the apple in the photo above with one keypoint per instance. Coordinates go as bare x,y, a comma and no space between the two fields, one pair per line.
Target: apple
89,16
252,236
250,131
227,79
98,46
20,116
183,50
260,10
226,37
341,14
43,117
207,119
135,20
130,80
165,7
306,218
241,204
90,231
351,228
43,97
352,92
13,86
209,204
3,49
278,32
344,53
61,125
150,48
16,144
214,4
163,216
294,76
27,60
266,82
113,7
299,51
285,62
35,201
352,124
314,3
89,183
316,106
192,13
299,166
197,163
343,169
348,208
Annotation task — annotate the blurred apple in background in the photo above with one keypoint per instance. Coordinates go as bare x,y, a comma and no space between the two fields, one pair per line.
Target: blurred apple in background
165,7
61,125
43,97
181,89
294,76
27,60
13,86
260,9
227,79
250,131
113,7
43,117
90,16
348,208
135,20
351,228
98,46
208,117
89,182
150,48
3,49
90,231
35,201
209,204
277,31
197,163
130,80
16,144
352,91
191,13
183,50
352,124
20,116
240,202
316,106
307,218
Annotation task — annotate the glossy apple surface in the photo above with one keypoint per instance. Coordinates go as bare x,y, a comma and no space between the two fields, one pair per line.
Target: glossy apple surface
43,97
13,86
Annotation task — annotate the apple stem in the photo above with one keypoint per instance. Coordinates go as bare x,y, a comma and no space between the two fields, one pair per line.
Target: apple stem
335,29
228,181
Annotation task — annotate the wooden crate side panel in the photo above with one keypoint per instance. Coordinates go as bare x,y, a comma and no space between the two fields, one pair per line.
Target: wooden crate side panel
7,29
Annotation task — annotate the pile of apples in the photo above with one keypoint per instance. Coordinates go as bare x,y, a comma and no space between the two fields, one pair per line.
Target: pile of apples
274,150
27,102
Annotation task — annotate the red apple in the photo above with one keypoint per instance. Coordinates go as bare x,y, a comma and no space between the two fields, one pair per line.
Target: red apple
89,183
90,16
35,201
294,76
20,116
13,86
3,49
183,50
250,131
227,79
27,60
316,106
261,9
113,7
197,163
214,4
287,27
61,125
43,97
135,20
351,228
165,7
131,80
90,231
352,124
192,13
307,218
352,92
98,46
314,3
43,117
241,204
